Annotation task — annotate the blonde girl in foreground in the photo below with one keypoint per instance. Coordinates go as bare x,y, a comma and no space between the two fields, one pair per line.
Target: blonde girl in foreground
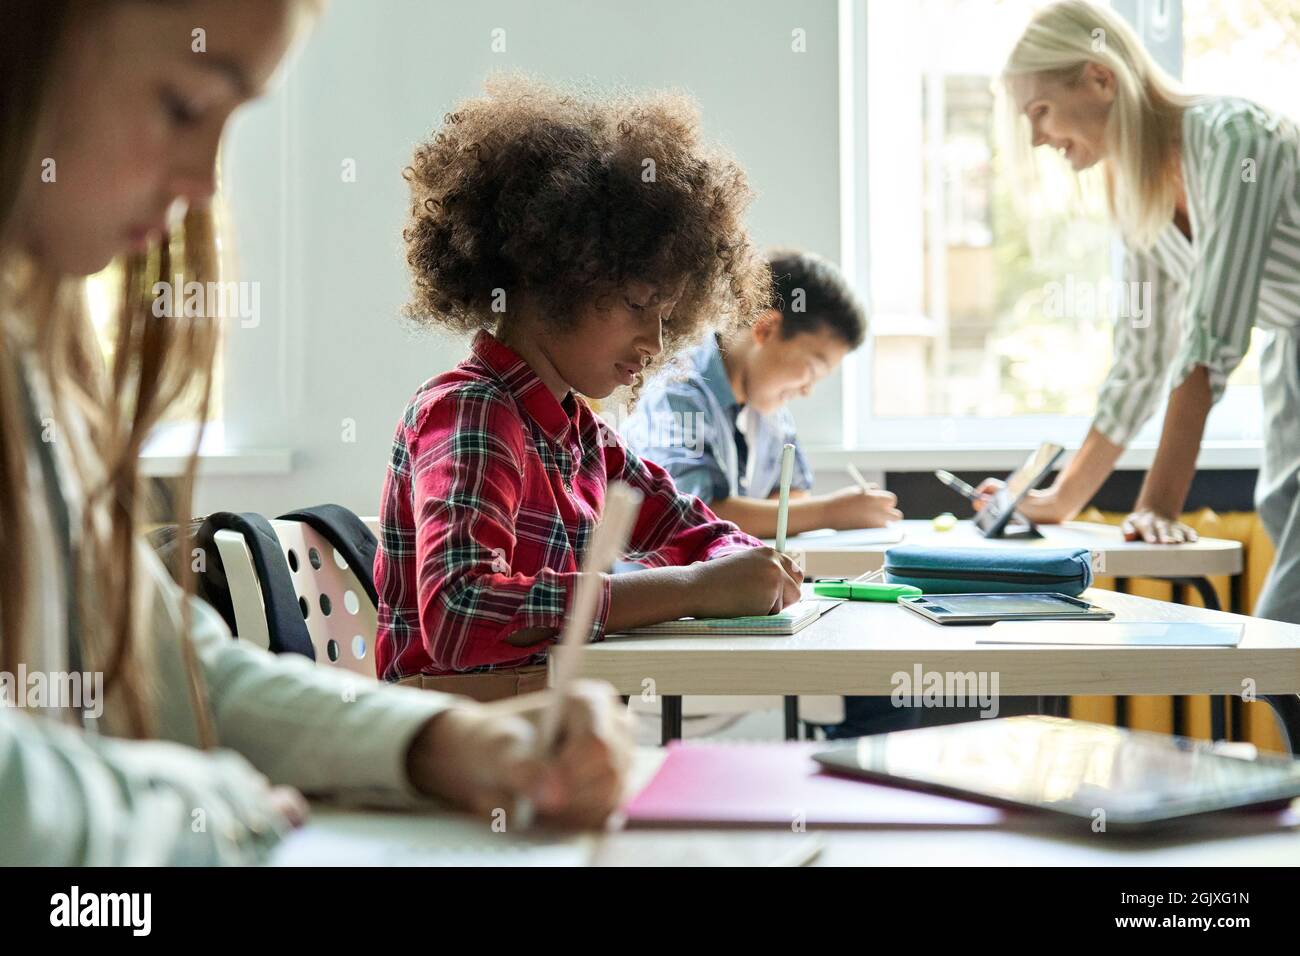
107,118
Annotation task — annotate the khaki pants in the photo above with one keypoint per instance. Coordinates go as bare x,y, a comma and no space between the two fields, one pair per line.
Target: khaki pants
484,687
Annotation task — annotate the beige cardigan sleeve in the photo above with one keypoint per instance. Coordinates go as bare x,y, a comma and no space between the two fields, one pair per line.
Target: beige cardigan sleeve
69,797
321,730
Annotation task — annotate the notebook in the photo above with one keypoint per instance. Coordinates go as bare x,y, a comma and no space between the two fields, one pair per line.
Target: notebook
792,620
780,785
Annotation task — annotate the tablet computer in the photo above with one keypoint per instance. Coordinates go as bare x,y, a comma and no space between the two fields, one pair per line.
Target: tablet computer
1097,774
990,608
998,518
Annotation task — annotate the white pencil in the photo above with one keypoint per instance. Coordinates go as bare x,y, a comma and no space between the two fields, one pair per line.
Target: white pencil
783,510
622,502
857,476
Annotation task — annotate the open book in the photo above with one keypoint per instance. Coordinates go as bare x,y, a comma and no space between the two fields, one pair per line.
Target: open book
791,620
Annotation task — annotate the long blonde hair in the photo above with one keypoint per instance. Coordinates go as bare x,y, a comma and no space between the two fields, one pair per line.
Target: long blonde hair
155,361
1144,129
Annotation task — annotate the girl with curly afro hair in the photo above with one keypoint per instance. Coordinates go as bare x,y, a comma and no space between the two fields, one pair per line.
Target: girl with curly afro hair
584,240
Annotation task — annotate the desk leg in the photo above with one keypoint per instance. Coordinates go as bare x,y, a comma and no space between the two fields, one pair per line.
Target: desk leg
1053,705
1218,704
1286,707
791,718
1235,717
1121,703
670,720
1218,717
1180,715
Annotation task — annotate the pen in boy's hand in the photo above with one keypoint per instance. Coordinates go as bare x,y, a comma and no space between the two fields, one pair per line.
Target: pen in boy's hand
783,508
858,478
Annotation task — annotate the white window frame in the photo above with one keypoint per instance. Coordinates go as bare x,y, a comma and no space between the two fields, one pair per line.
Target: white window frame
901,440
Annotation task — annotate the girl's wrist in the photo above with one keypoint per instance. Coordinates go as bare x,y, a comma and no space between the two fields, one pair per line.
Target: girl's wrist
432,760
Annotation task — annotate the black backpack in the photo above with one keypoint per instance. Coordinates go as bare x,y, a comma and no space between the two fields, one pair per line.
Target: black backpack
284,622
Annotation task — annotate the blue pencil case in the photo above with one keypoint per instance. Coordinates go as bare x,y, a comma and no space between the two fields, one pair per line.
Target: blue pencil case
983,570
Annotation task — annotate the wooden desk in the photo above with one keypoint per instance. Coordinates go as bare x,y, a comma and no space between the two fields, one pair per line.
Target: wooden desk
350,837
1185,565
829,555
857,647
1230,843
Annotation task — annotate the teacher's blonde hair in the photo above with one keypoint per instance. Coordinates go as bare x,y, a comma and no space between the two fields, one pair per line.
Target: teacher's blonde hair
1144,129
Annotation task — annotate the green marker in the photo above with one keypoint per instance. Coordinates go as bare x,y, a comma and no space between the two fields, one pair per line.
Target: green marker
864,590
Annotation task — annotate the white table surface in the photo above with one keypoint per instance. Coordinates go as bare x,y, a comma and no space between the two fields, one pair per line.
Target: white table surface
858,646
353,837
840,553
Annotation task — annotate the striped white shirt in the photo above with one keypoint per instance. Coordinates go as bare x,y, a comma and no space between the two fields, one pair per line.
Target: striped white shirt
1240,269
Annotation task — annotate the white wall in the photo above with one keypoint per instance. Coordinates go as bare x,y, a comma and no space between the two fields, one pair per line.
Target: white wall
375,77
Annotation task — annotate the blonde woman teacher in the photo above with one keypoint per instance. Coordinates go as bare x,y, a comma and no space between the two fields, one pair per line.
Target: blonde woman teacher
1204,192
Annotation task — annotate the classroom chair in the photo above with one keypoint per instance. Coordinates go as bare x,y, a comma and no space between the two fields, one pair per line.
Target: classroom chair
340,617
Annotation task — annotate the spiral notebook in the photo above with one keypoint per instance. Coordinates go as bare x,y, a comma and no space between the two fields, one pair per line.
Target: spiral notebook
792,620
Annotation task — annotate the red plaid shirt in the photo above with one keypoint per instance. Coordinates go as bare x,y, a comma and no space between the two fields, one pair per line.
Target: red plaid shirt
492,493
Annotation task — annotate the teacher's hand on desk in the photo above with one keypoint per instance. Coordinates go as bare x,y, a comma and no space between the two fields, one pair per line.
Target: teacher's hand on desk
1154,528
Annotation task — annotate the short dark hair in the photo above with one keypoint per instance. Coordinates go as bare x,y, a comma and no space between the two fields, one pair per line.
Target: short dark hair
812,294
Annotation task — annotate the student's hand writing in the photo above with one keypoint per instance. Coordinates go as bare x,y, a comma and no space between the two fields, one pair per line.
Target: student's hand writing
483,757
291,805
1153,528
854,507
758,581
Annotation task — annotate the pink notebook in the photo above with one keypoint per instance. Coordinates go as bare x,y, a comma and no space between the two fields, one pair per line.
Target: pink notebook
779,784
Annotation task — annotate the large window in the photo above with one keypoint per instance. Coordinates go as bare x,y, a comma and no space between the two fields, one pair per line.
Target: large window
991,323
971,338
965,326
1246,48
103,294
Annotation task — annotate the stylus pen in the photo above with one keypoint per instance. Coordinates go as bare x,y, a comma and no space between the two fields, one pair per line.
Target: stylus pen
957,485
